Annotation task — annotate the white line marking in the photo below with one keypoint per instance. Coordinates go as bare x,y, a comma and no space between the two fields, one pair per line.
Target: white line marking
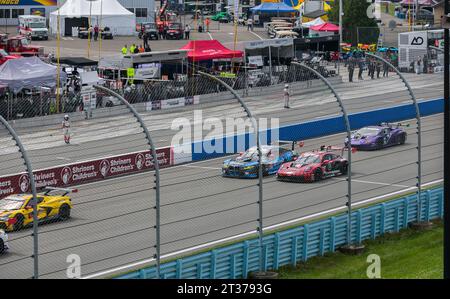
147,261
256,35
210,36
62,158
375,183
205,167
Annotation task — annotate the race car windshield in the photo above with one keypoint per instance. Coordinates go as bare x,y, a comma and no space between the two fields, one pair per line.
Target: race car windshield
368,131
307,160
252,153
11,204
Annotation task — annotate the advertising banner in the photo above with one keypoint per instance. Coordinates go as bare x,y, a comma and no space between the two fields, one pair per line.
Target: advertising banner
29,2
85,172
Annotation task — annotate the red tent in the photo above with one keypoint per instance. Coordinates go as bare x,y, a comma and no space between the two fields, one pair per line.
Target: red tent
325,27
209,49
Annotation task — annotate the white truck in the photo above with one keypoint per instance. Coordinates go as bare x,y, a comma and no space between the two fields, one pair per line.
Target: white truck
34,27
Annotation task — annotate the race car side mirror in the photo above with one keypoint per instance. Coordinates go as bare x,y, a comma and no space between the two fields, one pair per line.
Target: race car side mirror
325,162
28,207
294,158
241,153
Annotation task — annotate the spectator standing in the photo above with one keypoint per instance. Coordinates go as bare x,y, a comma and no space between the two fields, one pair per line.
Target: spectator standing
361,68
418,65
207,22
351,68
249,24
124,50
378,68
96,32
385,69
145,39
187,31
286,96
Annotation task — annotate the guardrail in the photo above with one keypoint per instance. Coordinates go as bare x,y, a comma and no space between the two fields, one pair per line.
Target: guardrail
302,242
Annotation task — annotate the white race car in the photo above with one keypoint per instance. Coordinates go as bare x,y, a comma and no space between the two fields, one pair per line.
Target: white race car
3,241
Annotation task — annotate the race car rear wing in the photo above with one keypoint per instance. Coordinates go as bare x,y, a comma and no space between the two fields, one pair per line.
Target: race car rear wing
398,125
65,191
331,148
288,143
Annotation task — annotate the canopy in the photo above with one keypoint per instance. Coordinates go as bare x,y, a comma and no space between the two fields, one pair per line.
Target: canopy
325,27
209,49
28,72
315,22
268,7
108,13
76,61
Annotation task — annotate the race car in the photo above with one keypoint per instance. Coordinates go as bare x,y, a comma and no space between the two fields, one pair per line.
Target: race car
3,241
378,137
246,164
314,166
16,211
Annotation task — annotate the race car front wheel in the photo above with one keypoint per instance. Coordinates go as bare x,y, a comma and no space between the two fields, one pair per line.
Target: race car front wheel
64,212
402,139
19,222
2,246
317,175
344,169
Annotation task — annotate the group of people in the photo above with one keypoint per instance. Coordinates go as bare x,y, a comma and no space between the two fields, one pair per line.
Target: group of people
134,49
373,66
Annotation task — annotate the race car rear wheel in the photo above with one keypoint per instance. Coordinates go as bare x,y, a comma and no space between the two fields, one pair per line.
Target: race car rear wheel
2,246
64,212
402,139
19,222
344,168
318,175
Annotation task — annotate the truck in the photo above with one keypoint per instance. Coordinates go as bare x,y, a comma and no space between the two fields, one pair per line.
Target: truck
19,45
33,27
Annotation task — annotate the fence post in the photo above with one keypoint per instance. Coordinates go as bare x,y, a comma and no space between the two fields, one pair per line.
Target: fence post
373,229
322,241
245,259
232,266
382,218
332,233
276,251
405,212
428,205
179,268
154,154
397,220
213,263
29,169
294,250
199,270
305,242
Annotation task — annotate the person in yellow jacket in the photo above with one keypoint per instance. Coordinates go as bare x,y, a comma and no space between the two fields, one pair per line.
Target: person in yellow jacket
125,50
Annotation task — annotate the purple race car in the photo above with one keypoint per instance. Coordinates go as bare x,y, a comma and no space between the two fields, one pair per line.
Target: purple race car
377,137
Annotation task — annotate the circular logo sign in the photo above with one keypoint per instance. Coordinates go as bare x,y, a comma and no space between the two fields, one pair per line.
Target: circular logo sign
24,183
139,161
104,168
66,175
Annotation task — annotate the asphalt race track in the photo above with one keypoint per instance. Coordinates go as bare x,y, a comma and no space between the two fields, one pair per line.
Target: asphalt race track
112,221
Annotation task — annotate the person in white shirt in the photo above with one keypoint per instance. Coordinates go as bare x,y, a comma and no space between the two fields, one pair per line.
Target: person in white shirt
286,96
66,129
250,24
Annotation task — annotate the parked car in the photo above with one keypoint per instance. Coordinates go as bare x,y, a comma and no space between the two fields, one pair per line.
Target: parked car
175,31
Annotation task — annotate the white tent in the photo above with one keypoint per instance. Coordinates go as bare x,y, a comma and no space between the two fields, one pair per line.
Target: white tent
105,13
315,22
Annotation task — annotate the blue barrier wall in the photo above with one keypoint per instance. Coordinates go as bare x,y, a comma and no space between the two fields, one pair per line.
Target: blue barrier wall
322,127
301,243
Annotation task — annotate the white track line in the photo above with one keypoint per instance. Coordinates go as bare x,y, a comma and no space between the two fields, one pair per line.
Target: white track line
256,35
205,167
147,261
374,183
210,36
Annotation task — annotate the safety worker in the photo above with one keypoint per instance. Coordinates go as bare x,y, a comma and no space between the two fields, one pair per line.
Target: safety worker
66,129
207,22
132,48
125,50
286,96
351,68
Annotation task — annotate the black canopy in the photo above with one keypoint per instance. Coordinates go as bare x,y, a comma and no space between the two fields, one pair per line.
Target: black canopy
76,61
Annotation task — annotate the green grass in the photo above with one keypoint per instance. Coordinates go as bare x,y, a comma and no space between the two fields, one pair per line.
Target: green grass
407,254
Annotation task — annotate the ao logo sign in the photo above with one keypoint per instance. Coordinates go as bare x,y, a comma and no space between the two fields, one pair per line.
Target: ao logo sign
417,41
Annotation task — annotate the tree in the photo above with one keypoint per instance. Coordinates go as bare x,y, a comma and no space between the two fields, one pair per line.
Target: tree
355,15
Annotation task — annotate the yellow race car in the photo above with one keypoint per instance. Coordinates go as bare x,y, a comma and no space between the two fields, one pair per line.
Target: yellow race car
16,211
